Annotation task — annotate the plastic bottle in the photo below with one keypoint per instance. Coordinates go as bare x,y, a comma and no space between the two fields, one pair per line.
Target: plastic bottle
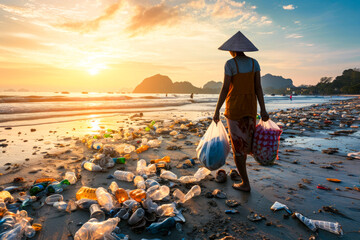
161,227
120,160
194,191
113,187
35,189
142,148
42,180
124,175
158,193
50,200
58,187
93,229
139,182
151,182
149,205
155,143
95,212
61,206
164,159
201,173
121,195
85,203
6,196
137,216
141,167
8,222
3,208
86,192
29,231
151,168
104,199
168,175
166,209
138,194
188,179
92,167
71,177
97,145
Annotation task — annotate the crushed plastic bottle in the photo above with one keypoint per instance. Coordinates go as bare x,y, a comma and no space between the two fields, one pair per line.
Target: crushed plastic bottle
113,187
61,206
139,182
188,179
168,175
141,167
71,177
155,143
95,212
162,227
90,166
151,182
85,203
124,175
93,229
138,194
5,196
149,205
58,187
201,173
142,148
50,200
194,191
166,209
104,198
158,192
121,195
86,192
137,216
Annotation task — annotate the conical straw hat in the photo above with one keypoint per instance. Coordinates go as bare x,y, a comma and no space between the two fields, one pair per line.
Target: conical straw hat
238,43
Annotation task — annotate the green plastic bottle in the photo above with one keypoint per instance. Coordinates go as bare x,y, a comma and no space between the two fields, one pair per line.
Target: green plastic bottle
35,189
58,187
120,160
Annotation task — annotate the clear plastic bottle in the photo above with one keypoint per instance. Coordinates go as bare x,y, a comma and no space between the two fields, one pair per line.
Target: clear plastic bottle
95,212
155,143
141,167
124,175
188,179
85,203
61,206
104,198
50,200
194,191
151,182
6,196
96,145
151,168
201,173
137,216
71,177
168,175
93,229
149,205
166,209
92,167
113,187
86,192
157,193
139,182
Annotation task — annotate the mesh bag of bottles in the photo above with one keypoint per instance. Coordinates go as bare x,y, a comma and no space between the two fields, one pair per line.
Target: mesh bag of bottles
214,147
266,142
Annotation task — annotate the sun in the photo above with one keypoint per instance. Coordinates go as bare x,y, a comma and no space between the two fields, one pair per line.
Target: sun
93,71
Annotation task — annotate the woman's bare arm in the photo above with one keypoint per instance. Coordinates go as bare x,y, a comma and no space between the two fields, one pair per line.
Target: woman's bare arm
260,97
222,97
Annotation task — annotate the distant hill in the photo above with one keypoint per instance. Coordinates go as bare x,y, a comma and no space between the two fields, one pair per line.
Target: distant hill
269,81
163,84
213,85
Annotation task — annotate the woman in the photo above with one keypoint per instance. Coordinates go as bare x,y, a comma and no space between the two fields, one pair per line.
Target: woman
240,89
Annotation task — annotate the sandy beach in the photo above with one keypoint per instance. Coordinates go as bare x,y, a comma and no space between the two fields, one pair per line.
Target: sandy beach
305,161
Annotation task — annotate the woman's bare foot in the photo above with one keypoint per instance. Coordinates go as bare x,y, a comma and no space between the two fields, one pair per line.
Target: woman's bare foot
242,187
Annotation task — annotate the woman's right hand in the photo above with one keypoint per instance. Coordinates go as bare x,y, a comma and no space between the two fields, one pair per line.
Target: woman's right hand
216,117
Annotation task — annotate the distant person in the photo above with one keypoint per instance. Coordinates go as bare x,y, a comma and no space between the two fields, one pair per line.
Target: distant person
191,95
166,95
241,89
290,97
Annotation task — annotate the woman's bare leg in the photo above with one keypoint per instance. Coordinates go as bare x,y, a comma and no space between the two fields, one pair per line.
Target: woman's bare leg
240,161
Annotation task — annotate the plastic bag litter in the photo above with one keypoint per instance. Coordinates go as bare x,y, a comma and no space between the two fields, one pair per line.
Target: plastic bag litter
313,225
214,147
266,142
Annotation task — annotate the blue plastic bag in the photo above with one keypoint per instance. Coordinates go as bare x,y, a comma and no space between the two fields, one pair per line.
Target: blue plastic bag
214,147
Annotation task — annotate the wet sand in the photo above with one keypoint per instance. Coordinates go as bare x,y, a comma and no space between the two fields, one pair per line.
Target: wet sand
53,149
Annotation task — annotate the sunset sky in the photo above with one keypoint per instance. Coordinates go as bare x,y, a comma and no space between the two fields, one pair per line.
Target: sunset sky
107,45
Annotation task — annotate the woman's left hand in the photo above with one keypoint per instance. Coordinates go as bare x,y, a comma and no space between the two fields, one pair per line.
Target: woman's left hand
264,116
216,117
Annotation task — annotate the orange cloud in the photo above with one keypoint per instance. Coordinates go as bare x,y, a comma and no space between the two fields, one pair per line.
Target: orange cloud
149,18
92,25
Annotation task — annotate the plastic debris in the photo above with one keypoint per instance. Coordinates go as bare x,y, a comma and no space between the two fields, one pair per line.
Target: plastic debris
278,206
93,229
181,197
313,225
